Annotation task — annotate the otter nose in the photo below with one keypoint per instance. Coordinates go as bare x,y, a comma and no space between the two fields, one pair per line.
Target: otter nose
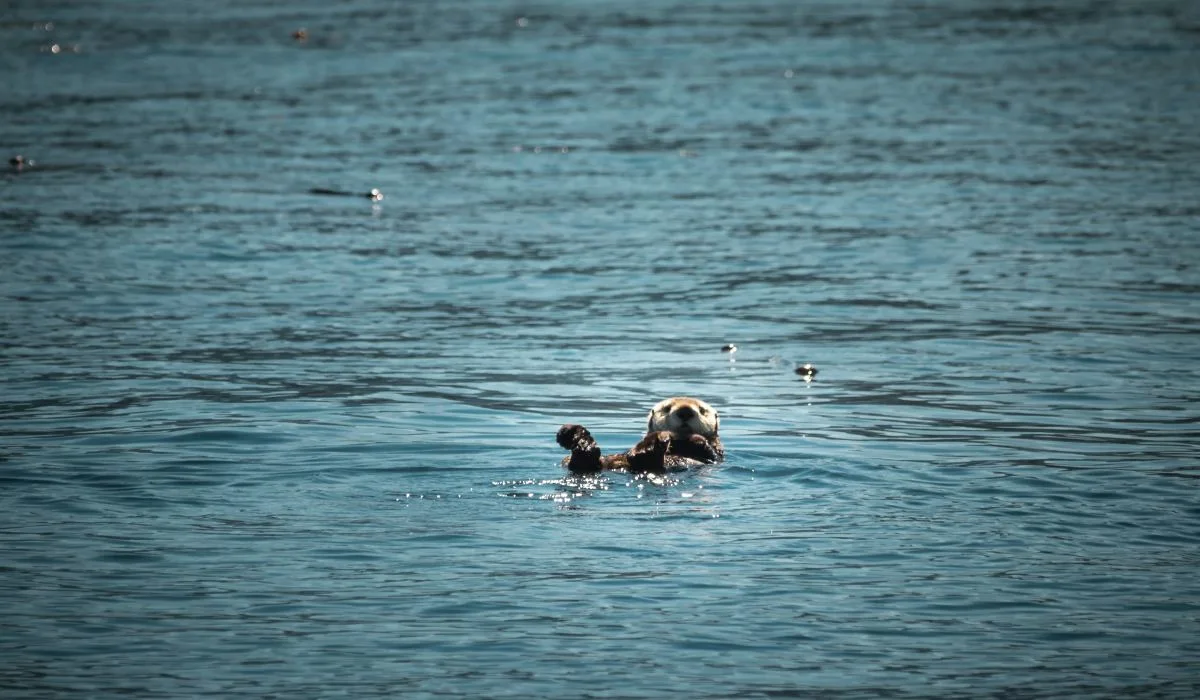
685,413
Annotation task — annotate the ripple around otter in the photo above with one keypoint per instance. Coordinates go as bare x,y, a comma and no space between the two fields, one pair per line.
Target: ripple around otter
256,441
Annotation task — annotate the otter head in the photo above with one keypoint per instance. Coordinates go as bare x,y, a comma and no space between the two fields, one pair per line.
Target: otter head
684,416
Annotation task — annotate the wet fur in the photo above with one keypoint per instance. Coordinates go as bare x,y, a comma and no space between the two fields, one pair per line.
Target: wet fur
681,432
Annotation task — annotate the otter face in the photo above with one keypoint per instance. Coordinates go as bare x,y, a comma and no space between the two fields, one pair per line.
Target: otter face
683,415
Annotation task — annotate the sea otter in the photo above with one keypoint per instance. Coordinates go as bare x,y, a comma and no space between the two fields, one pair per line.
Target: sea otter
681,432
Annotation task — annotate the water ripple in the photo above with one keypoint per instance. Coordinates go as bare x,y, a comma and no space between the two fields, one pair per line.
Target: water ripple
264,435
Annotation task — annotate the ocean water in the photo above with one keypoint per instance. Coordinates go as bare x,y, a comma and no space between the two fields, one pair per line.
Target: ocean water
260,440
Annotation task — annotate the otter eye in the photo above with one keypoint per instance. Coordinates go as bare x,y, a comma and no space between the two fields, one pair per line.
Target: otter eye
703,411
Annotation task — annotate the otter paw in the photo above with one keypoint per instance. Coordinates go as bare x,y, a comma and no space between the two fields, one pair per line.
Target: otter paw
574,437
585,453
700,448
648,455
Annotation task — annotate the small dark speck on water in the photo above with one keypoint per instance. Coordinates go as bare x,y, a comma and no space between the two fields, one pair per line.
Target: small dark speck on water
374,194
807,371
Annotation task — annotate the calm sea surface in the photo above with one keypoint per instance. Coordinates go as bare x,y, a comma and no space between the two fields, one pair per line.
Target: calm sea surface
258,440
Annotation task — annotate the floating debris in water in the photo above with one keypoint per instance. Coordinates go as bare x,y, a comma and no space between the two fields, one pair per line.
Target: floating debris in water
374,195
807,371
300,34
730,348
61,48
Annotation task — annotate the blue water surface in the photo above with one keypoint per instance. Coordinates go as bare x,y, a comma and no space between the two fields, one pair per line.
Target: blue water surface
261,440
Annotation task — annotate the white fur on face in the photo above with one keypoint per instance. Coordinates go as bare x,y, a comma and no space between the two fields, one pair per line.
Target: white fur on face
683,415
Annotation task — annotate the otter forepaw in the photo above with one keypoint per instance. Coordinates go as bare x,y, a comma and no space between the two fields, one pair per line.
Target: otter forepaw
648,455
700,448
574,437
585,453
